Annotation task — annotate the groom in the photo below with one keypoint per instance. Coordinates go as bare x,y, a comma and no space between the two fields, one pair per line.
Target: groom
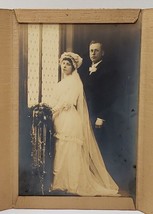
99,88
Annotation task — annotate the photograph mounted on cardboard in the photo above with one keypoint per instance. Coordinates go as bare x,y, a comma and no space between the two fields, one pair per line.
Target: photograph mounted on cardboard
76,91
78,106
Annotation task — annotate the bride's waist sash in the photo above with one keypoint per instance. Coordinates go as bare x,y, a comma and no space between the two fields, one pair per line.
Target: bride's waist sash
68,138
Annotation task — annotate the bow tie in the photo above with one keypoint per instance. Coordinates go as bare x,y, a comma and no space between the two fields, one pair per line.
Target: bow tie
92,69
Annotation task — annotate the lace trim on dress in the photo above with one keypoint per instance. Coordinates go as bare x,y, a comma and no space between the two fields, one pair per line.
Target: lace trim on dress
69,138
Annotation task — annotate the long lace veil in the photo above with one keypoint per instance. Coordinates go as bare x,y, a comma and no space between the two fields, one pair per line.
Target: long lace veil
90,148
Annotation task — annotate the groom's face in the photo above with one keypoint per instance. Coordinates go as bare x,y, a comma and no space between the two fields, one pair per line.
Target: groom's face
95,52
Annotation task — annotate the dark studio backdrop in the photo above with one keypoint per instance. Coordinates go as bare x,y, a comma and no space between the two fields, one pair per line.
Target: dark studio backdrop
121,44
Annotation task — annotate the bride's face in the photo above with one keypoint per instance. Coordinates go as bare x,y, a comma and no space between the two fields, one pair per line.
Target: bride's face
66,67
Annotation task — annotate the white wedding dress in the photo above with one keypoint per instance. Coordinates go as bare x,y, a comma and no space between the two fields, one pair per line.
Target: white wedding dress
78,164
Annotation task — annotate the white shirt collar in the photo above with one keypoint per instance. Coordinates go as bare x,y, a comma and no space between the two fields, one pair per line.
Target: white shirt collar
93,68
96,64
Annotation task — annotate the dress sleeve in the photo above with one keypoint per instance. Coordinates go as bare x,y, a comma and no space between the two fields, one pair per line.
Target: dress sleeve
62,99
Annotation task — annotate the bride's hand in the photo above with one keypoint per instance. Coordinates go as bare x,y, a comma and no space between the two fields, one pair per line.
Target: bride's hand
66,107
55,112
99,122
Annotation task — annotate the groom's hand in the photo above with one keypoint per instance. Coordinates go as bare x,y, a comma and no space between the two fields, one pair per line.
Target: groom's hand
99,122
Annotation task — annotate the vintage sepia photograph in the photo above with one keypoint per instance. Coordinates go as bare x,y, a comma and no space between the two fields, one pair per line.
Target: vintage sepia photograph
78,109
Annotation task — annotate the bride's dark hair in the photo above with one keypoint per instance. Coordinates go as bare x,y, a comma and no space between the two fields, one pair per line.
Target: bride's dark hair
70,61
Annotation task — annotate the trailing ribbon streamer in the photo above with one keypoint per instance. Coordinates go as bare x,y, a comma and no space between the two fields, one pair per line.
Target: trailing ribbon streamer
41,138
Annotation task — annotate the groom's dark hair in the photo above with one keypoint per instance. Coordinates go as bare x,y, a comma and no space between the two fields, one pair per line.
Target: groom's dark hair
96,41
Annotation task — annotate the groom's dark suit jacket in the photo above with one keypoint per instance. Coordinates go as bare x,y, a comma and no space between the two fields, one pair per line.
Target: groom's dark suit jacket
99,89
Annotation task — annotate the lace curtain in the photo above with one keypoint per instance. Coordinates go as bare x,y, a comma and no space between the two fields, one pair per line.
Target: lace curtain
43,55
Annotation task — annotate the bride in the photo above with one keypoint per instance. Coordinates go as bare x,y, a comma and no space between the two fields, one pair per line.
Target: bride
78,165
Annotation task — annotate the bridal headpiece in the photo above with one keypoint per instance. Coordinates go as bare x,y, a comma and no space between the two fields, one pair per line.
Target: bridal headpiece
75,58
